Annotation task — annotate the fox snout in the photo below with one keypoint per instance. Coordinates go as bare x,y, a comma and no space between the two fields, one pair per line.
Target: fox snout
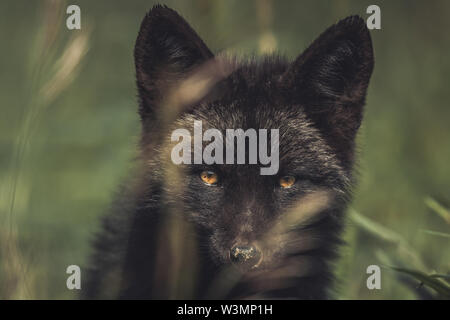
246,256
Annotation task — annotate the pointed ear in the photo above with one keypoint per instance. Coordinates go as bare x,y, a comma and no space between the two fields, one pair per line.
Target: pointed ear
166,50
330,81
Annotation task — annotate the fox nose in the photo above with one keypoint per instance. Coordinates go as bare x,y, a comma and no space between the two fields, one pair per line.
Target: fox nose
245,256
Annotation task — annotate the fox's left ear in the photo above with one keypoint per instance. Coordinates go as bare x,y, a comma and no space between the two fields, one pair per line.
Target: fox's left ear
330,81
166,50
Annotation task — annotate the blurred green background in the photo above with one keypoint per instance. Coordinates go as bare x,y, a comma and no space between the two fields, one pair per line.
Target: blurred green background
69,129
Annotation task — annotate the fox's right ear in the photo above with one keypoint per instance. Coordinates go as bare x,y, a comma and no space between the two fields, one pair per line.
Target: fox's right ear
330,79
166,50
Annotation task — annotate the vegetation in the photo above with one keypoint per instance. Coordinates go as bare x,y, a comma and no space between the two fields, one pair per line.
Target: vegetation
69,127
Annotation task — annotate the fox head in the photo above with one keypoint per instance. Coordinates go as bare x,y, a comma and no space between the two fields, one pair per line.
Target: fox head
258,222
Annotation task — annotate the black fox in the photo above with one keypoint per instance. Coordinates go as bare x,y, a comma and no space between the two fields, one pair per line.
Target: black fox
224,230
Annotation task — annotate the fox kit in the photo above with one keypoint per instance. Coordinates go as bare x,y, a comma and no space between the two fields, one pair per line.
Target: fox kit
222,229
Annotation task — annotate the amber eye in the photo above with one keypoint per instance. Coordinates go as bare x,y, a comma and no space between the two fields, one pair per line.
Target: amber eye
209,177
287,181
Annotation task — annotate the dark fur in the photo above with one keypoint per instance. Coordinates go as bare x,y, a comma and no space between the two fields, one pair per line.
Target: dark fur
317,103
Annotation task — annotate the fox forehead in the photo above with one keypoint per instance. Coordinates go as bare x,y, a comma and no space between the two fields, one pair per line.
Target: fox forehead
296,131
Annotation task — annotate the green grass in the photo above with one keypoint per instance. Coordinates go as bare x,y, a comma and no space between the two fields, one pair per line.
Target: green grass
67,140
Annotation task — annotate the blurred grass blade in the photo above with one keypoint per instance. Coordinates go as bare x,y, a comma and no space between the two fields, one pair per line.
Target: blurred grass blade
267,40
66,67
405,252
446,277
434,282
375,228
438,208
437,233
